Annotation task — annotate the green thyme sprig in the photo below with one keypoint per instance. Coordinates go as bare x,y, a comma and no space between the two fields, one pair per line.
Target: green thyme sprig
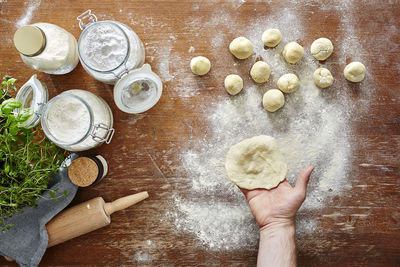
27,159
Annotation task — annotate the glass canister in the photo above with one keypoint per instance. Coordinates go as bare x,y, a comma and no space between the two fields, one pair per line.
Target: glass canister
111,52
47,48
108,49
75,120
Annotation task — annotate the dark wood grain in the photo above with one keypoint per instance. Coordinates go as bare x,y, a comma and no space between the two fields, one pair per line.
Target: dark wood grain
146,146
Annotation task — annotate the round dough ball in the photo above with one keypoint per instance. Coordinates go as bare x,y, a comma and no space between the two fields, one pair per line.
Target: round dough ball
273,100
321,48
323,78
293,52
288,83
271,37
241,47
233,84
200,65
256,163
354,72
260,72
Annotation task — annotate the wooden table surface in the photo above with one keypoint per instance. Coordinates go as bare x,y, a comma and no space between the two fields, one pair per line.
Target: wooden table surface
146,148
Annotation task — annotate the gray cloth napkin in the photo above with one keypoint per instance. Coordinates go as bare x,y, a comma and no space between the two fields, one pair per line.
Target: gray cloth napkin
26,242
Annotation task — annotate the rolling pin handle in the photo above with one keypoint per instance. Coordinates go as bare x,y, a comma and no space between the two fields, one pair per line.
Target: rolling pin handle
124,202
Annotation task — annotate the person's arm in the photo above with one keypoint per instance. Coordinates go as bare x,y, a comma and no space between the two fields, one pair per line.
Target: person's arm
277,245
274,211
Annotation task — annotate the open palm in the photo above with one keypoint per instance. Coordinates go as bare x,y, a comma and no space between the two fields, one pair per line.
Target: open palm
280,203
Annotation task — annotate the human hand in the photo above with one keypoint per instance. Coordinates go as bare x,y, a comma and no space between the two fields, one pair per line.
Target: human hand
278,205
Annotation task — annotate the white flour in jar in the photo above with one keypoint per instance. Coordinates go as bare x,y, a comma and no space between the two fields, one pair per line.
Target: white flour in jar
104,47
68,119
60,55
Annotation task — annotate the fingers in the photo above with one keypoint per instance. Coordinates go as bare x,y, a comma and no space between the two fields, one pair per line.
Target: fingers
302,180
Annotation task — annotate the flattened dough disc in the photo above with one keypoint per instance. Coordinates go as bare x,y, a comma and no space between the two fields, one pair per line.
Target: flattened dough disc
256,163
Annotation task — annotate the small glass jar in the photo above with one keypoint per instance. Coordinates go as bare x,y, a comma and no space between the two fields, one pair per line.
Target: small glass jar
111,52
75,120
47,48
108,49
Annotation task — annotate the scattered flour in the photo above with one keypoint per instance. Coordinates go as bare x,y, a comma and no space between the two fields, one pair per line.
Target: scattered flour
143,257
27,16
312,128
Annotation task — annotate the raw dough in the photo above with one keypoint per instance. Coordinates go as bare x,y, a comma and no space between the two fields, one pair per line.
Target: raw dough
260,72
233,84
354,72
273,100
293,52
271,37
256,163
323,78
200,65
321,48
288,83
241,47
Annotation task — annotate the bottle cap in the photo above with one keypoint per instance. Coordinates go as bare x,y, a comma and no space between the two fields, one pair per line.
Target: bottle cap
83,171
29,40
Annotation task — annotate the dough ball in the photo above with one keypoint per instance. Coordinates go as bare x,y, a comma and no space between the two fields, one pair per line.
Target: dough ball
260,72
273,100
321,48
354,72
288,83
293,52
233,84
271,37
323,78
256,163
200,65
241,47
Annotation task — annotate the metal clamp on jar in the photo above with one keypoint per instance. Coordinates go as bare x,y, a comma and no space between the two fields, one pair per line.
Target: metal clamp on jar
112,53
75,120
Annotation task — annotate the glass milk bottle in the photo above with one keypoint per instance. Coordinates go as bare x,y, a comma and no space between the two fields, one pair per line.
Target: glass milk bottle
47,48
112,53
75,120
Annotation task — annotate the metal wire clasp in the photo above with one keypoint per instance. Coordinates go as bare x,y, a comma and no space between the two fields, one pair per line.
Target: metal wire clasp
85,15
104,127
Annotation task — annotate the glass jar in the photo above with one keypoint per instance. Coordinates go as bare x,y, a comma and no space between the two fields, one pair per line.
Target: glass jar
75,120
108,49
111,52
47,48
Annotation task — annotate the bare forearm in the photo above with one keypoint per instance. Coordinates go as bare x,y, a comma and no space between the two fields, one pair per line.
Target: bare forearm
277,245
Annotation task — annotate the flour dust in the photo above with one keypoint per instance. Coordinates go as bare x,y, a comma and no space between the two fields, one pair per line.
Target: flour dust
311,128
26,17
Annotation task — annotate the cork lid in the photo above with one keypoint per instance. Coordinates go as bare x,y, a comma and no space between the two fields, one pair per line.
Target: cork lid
83,171
29,40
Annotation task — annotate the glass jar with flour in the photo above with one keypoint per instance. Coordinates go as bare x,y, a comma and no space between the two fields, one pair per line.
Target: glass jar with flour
112,53
75,120
47,48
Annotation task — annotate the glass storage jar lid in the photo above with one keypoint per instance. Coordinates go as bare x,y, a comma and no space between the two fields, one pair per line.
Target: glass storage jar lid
138,90
33,94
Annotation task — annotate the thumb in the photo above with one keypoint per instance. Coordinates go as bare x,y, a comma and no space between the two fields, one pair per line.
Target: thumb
302,180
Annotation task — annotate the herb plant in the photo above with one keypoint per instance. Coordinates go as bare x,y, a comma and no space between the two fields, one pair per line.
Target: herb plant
27,159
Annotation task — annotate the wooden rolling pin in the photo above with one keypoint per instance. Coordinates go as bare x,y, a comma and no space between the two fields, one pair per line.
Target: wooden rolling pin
86,217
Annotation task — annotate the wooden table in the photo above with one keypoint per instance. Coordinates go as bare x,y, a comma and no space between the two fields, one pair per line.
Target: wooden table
146,147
